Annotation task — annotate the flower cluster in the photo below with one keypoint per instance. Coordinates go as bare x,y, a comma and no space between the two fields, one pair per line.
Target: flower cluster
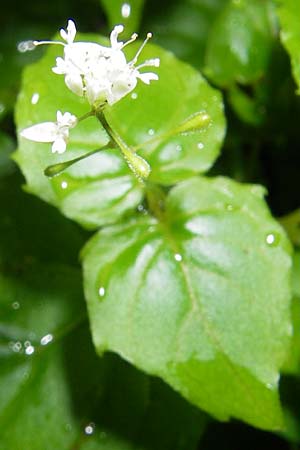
100,74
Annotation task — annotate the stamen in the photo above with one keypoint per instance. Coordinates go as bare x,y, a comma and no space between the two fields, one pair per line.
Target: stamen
132,39
149,62
36,43
149,36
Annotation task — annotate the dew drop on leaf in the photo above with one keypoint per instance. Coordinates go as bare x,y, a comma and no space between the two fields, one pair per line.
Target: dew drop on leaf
101,291
125,10
64,184
178,257
46,339
272,239
15,305
151,132
35,98
89,429
29,350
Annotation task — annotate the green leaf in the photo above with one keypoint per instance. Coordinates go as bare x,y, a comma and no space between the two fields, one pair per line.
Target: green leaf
199,297
55,393
128,13
289,13
291,223
101,189
239,44
292,363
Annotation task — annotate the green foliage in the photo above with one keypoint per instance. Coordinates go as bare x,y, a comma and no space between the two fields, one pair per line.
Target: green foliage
238,48
191,285
289,13
212,233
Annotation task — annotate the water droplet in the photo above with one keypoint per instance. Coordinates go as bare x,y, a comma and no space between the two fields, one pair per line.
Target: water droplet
2,108
178,147
125,10
272,239
134,96
25,46
46,339
68,427
15,305
103,435
178,257
89,429
15,346
29,350
35,98
64,184
151,132
229,207
200,145
101,291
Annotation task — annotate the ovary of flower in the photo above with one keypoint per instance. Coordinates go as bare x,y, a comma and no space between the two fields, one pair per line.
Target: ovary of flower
101,74
55,132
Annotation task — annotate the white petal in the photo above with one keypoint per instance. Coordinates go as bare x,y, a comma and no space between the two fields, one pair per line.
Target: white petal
147,77
71,31
41,132
66,120
59,117
114,37
61,66
63,34
121,87
59,145
74,83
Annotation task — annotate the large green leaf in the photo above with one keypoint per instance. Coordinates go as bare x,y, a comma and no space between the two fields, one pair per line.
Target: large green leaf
239,44
289,13
55,393
127,13
199,297
101,188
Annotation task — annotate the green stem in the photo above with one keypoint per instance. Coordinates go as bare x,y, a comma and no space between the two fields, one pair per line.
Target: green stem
56,169
136,163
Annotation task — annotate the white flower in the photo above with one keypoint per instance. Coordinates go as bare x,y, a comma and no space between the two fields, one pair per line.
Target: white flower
56,132
101,74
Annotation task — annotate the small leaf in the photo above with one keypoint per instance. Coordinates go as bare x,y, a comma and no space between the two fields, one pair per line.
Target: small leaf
289,13
239,44
199,297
